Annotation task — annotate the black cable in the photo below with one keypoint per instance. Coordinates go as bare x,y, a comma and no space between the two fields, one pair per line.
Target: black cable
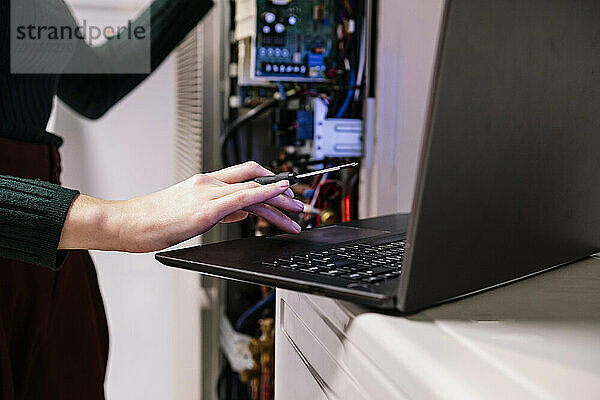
373,43
222,384
235,141
350,52
244,119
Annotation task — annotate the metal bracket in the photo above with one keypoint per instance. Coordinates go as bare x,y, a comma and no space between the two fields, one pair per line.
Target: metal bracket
336,137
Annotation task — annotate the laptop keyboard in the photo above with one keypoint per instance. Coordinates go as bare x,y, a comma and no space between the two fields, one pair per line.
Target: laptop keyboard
360,262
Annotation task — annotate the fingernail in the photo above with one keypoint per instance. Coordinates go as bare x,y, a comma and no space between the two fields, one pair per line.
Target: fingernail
289,193
300,205
296,227
284,184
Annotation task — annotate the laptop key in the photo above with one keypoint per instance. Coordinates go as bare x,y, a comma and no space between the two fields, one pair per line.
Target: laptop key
361,266
372,279
392,265
336,251
269,264
340,263
328,259
376,271
308,262
332,272
354,276
310,269
321,253
304,263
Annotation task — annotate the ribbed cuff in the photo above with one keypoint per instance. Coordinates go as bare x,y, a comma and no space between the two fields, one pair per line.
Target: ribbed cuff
54,258
32,216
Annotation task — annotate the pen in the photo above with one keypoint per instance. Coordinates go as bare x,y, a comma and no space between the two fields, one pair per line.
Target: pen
294,178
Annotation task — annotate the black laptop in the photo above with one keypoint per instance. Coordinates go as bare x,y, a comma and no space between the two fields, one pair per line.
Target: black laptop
509,176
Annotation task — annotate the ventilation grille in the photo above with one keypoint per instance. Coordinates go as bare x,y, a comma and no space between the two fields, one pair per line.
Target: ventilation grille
188,157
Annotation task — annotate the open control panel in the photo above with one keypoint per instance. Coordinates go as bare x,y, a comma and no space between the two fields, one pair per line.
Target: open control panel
294,39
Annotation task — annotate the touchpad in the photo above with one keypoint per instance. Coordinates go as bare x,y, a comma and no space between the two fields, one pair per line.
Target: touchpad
330,234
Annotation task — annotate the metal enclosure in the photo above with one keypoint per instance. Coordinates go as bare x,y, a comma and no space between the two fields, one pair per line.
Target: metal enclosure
202,61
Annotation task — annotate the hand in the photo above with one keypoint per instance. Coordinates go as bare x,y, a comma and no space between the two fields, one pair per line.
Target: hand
250,170
185,210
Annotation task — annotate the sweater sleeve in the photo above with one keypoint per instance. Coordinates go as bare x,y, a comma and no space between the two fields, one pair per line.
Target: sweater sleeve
92,95
32,215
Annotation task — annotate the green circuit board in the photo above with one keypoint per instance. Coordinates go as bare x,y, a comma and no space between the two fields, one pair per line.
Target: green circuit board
295,39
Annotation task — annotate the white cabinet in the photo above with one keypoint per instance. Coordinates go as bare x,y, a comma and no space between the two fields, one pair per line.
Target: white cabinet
314,356
534,339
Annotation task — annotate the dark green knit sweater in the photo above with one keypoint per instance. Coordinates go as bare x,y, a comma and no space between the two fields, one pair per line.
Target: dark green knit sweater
32,213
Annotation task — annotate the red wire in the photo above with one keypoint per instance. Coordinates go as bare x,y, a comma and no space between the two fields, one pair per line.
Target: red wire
347,213
314,184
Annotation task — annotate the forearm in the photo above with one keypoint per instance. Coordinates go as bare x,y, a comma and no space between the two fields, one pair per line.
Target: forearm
137,225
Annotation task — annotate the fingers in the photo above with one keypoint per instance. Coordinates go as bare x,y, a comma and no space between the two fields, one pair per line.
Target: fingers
287,204
244,172
241,195
248,195
241,172
235,217
227,189
282,201
275,217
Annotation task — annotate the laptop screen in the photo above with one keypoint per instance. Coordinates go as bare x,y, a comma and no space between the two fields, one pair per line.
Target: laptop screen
509,179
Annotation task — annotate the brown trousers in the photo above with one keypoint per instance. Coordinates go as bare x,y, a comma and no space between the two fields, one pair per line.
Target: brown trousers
53,330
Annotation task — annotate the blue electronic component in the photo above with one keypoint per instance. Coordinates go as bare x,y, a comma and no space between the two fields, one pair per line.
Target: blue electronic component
305,130
315,59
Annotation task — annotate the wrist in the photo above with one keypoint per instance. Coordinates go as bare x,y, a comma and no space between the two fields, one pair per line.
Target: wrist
92,224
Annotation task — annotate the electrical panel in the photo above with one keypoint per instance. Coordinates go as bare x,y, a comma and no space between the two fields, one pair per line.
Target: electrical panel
297,83
297,79
294,40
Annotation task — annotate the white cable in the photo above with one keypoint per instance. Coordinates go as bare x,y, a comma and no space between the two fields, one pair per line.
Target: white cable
313,201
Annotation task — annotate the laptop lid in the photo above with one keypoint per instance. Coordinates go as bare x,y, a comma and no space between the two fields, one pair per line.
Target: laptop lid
509,181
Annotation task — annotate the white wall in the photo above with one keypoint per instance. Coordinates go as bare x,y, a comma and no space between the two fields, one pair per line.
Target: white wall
408,32
128,153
